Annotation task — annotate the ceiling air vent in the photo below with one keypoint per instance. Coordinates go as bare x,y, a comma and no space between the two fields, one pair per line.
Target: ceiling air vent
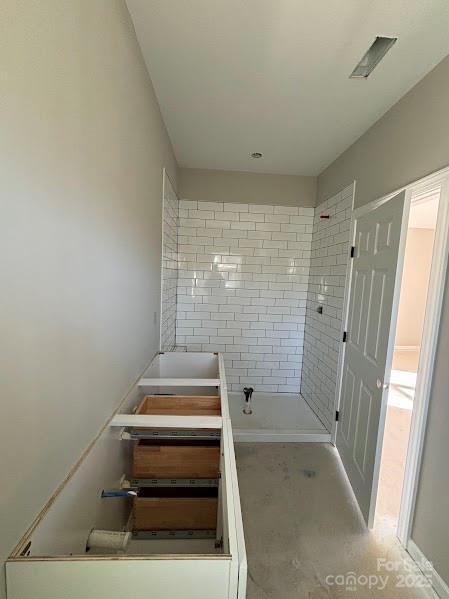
372,57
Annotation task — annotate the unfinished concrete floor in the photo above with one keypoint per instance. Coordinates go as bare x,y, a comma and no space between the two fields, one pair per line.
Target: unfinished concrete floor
302,527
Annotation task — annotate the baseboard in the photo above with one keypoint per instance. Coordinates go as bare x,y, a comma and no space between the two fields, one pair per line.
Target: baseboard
272,436
438,584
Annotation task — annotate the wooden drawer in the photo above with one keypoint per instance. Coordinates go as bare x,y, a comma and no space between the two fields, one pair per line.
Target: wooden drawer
176,509
176,459
180,405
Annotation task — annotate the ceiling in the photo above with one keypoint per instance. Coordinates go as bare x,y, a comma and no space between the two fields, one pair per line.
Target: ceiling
239,76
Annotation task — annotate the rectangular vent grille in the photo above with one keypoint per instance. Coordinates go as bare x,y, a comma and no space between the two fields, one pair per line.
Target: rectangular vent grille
372,57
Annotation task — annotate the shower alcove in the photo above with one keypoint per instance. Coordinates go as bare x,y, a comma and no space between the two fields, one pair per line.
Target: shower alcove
263,285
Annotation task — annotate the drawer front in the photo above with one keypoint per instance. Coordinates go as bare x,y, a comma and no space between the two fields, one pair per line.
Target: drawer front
175,514
176,461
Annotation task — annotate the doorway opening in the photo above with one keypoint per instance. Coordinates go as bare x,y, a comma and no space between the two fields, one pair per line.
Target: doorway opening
414,292
392,309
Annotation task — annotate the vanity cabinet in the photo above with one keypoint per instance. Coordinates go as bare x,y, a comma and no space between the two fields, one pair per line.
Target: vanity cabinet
163,471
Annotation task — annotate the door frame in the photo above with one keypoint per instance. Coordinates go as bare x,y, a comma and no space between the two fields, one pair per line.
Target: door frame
429,342
428,345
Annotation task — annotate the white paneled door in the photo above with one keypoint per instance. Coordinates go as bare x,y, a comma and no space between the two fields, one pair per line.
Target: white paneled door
377,235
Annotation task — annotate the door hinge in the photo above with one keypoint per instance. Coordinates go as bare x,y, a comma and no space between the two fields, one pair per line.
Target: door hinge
352,251
337,415
345,337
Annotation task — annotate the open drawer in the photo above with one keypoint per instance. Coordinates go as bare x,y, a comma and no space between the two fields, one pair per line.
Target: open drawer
189,373
180,405
187,535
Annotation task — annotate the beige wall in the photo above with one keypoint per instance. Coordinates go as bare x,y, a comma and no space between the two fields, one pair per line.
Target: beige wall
82,147
410,141
246,188
415,279
431,525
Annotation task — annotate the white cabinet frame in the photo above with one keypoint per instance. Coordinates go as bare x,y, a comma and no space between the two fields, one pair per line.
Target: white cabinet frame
57,564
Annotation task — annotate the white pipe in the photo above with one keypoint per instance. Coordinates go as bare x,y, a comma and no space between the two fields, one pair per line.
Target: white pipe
108,539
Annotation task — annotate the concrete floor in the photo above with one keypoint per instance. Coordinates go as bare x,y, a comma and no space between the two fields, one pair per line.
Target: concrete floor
302,527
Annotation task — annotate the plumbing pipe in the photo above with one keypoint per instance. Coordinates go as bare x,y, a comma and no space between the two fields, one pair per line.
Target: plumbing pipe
118,493
108,539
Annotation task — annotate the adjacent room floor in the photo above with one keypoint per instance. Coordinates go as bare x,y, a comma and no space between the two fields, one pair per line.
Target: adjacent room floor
303,529
394,452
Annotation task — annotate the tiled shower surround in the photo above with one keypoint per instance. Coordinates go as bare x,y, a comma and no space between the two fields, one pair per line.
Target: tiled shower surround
249,281
169,280
328,266
242,289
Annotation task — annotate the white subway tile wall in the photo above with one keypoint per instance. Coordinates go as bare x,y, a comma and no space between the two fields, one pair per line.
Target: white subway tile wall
242,289
323,332
169,282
